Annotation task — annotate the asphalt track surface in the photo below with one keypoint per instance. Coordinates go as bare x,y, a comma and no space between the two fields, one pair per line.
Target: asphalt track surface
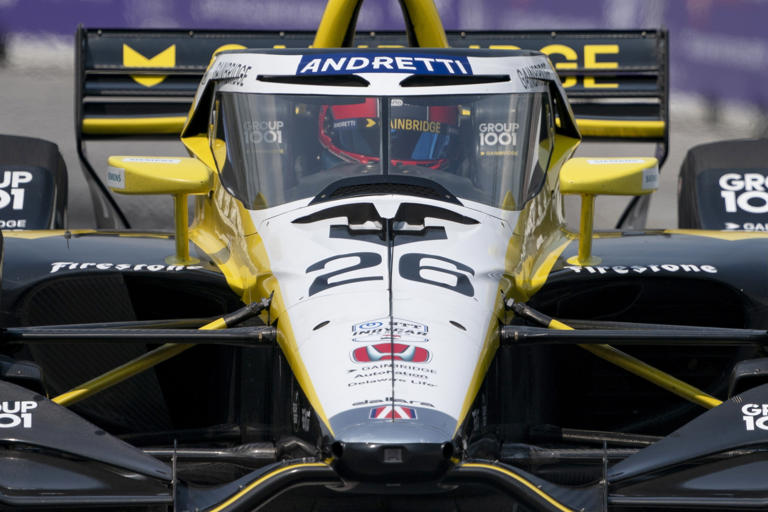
38,101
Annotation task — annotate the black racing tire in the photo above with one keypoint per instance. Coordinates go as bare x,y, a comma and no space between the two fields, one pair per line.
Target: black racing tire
700,200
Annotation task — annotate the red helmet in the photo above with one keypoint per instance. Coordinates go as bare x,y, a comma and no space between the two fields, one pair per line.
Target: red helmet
418,134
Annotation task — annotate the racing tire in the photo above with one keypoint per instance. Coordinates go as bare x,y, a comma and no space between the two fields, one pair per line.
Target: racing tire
714,191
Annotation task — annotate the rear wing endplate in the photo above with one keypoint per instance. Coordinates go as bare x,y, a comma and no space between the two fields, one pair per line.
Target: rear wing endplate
140,83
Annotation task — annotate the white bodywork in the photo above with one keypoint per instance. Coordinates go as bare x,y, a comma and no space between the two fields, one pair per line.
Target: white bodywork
392,320
441,316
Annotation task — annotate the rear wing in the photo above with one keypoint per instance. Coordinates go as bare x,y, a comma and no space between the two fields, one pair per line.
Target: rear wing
140,83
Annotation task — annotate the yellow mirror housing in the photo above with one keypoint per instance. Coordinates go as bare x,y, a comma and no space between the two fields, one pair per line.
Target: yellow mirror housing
160,175
610,176
590,177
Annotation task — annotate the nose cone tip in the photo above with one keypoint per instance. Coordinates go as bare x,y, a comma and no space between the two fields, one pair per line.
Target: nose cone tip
392,463
380,444
390,423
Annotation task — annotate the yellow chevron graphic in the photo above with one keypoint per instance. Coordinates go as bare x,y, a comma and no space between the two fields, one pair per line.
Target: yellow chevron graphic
164,59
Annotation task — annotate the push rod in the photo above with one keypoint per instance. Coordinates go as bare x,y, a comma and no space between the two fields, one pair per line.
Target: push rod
520,334
240,336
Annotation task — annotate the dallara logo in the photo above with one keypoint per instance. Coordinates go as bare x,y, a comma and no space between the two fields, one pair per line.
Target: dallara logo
389,412
164,59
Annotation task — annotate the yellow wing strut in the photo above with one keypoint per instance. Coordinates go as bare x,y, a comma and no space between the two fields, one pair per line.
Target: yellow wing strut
337,26
152,358
626,361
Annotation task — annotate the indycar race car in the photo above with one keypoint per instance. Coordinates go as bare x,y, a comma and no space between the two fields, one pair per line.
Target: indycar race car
377,303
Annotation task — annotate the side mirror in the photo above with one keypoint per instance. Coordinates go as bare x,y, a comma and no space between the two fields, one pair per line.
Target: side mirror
590,177
159,175
747,374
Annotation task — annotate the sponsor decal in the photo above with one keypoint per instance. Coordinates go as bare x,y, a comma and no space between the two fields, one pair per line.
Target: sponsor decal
15,196
503,134
531,76
747,226
755,416
614,161
641,269
16,413
650,179
257,132
164,59
382,329
151,160
301,416
496,138
13,224
116,178
130,267
397,371
232,73
336,64
229,209
744,192
349,123
391,351
390,400
416,125
396,412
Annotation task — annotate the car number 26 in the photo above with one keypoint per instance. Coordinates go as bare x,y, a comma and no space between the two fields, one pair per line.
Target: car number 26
416,267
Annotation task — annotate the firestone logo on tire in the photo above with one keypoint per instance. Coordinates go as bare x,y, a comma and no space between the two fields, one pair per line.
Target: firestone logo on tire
391,351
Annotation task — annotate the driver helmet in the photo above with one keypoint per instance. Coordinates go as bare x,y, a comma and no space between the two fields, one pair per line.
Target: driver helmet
418,134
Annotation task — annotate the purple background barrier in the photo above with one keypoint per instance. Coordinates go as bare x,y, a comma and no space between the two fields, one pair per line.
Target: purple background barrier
718,48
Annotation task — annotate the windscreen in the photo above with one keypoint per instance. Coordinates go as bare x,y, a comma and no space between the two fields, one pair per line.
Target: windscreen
272,148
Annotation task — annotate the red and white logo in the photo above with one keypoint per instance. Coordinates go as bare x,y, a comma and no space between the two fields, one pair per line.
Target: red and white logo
391,351
390,412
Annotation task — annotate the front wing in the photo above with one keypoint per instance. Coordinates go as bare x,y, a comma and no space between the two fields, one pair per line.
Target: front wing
715,462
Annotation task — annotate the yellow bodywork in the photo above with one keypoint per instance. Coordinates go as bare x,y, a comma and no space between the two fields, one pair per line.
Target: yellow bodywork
339,19
158,175
164,59
617,128
610,176
590,177
138,126
179,177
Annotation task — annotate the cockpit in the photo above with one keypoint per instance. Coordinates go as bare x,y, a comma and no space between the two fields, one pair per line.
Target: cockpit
272,149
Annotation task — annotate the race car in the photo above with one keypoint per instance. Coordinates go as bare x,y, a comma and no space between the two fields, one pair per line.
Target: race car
377,303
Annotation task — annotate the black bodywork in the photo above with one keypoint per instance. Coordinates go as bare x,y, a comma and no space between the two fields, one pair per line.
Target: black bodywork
571,420
225,426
